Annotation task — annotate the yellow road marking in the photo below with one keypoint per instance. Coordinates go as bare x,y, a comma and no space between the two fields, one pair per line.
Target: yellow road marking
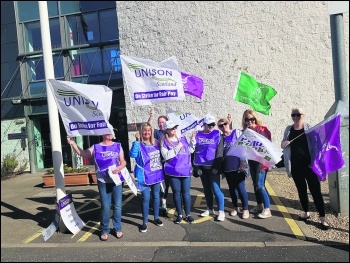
36,235
290,221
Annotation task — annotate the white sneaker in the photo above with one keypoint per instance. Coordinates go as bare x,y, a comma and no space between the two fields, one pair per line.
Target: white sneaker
221,216
207,213
265,214
233,212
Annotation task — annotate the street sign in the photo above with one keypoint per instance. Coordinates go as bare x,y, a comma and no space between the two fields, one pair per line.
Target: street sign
16,136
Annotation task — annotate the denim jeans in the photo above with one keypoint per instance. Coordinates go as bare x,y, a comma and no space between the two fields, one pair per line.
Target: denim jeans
236,185
259,177
211,184
146,198
110,194
181,192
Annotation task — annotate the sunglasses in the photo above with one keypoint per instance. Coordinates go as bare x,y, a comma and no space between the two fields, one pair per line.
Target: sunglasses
296,115
211,124
249,119
222,125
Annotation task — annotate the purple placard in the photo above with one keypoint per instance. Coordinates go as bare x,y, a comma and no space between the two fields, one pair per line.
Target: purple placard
65,201
88,125
159,94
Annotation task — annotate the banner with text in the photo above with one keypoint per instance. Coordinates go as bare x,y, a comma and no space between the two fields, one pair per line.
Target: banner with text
186,121
84,108
253,146
150,82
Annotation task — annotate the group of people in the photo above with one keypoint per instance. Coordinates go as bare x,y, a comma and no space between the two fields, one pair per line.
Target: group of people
163,160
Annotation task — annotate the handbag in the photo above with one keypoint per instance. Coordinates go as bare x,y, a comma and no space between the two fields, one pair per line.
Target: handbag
280,164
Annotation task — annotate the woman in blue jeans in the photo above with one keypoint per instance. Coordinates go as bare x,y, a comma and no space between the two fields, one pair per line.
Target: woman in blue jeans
177,156
233,168
148,171
106,155
208,160
257,170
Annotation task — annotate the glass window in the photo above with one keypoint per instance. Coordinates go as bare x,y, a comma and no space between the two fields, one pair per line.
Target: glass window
109,25
52,8
86,61
83,29
37,88
28,10
111,60
68,7
96,5
36,70
32,35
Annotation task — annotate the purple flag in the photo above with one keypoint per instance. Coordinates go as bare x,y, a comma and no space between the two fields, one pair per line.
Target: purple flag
326,151
193,85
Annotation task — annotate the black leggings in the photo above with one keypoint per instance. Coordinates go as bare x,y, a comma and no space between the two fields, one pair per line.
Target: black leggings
304,177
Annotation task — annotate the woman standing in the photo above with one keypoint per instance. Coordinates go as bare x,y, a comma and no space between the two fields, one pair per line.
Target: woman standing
233,168
297,159
177,156
148,171
106,154
209,160
257,170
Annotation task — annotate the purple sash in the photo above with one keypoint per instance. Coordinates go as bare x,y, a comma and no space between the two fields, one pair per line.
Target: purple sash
206,144
231,163
106,156
152,169
180,165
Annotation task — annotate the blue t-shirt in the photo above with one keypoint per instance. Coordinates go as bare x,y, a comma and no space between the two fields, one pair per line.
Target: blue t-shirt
158,134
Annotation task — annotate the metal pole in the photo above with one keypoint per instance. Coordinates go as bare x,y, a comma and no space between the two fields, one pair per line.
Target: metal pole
338,55
55,135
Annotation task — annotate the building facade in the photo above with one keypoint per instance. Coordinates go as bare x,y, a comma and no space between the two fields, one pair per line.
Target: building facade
85,45
284,44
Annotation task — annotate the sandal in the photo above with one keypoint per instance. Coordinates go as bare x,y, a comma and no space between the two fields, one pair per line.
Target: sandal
104,237
119,234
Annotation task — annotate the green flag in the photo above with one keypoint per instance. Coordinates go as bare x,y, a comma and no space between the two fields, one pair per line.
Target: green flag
253,93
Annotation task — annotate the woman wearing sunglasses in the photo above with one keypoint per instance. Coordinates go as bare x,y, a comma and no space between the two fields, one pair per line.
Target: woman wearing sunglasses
257,170
177,156
233,168
209,160
297,159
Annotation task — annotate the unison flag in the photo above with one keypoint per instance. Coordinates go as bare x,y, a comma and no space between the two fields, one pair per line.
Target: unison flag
84,108
150,82
253,93
186,121
326,153
254,146
193,85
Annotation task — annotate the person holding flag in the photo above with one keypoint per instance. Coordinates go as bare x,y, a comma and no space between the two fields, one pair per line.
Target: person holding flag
177,155
148,171
107,154
297,160
257,170
158,135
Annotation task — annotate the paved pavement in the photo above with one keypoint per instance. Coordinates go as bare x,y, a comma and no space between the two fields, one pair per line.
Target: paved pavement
27,209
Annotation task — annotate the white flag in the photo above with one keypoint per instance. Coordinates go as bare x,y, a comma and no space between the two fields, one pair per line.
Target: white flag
186,121
150,82
253,146
84,108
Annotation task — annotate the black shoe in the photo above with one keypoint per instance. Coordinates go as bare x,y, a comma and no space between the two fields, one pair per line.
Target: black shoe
178,219
143,228
189,219
324,227
158,222
300,218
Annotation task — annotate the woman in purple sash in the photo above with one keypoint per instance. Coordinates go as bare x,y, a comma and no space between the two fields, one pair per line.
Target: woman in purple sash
148,171
177,156
107,154
209,160
233,168
158,135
